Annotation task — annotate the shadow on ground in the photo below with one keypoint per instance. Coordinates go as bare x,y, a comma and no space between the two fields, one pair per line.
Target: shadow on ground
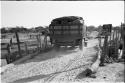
50,53
38,77
82,75
46,76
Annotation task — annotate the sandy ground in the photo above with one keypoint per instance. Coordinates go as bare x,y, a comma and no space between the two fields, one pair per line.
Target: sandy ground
64,65
3,62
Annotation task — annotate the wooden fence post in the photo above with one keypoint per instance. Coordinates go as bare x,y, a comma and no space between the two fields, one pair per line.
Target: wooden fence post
100,43
117,45
8,55
104,50
26,49
45,40
110,39
113,34
37,42
18,43
40,41
118,35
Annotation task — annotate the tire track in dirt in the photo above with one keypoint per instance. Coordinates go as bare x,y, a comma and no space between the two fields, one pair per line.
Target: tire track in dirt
50,78
19,73
13,74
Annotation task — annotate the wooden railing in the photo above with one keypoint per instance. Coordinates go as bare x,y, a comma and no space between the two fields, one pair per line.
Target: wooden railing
17,50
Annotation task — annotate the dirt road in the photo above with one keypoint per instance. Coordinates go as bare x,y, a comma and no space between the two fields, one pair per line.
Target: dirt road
50,65
58,66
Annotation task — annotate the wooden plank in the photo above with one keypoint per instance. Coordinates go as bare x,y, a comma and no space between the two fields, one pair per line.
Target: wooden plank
18,43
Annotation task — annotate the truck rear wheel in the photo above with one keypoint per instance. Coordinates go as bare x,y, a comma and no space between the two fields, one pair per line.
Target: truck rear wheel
80,45
73,44
56,47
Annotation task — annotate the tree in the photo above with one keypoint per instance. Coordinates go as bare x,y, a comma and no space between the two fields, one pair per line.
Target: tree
90,28
3,30
39,29
18,29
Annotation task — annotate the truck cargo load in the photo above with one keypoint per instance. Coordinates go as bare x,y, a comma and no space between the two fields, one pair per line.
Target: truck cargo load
67,31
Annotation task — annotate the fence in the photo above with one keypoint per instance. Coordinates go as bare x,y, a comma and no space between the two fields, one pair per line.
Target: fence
110,40
34,43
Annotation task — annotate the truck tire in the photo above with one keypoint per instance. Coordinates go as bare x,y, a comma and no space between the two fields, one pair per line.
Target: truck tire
80,45
73,45
56,47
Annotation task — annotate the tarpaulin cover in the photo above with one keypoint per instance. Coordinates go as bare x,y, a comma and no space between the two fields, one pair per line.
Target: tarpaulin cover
68,20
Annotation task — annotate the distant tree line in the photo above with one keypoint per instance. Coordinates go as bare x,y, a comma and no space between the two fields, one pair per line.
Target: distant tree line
93,28
23,29
37,29
13,29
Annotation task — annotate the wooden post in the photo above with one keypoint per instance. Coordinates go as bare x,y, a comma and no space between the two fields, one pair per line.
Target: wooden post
38,42
26,49
113,35
100,41
100,38
121,32
116,48
118,35
18,43
104,50
110,39
8,48
45,40
8,55
11,42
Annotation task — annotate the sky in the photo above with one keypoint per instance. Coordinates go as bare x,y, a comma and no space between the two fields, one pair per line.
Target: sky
40,13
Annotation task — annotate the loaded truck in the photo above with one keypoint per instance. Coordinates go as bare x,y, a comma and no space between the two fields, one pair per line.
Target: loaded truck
67,31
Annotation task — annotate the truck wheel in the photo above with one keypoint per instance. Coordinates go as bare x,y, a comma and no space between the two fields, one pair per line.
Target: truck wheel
56,47
80,45
73,44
